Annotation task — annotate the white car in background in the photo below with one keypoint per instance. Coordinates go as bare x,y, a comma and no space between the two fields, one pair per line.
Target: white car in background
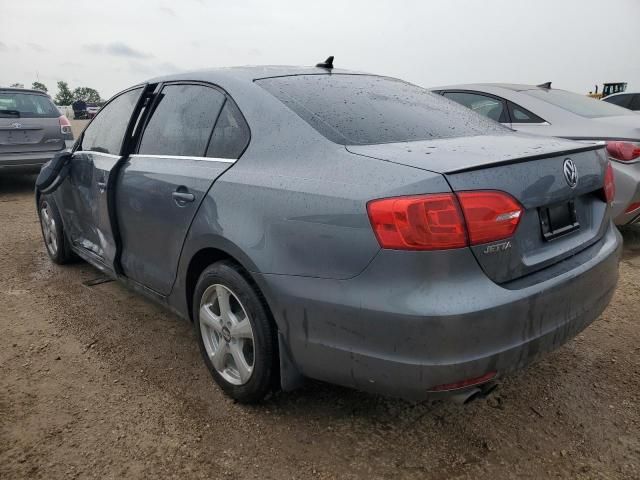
92,109
542,110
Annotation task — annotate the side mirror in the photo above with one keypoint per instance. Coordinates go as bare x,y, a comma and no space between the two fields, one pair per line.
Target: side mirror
53,172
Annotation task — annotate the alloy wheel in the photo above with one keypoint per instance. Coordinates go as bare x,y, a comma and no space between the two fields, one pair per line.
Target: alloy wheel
227,334
48,223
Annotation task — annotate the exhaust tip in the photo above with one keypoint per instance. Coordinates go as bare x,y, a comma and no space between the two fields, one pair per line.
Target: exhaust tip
466,397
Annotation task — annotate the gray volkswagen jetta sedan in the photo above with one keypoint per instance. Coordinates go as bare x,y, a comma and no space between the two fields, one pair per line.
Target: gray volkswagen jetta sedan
32,130
346,227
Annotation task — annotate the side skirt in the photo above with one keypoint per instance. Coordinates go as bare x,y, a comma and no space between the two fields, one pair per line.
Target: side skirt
95,261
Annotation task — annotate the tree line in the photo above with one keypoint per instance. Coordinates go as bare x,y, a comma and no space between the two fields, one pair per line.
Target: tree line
65,95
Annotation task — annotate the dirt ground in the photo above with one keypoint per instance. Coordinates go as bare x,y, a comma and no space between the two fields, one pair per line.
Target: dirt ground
97,382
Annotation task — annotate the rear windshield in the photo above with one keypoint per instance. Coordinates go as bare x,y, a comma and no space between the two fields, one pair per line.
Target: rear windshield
26,105
364,109
578,104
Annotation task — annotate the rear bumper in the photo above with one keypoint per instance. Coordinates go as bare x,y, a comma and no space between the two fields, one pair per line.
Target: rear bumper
412,321
627,178
25,162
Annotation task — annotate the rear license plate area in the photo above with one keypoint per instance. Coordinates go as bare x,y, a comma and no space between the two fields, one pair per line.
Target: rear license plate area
15,137
559,219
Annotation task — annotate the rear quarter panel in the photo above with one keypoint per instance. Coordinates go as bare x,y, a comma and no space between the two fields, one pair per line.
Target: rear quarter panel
299,210
304,216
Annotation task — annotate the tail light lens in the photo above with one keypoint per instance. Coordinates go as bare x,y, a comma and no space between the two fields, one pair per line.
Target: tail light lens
423,222
437,221
609,184
490,216
623,151
65,125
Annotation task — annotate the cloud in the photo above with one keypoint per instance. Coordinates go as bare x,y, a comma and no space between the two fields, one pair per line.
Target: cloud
3,47
168,67
37,48
168,11
116,49
164,68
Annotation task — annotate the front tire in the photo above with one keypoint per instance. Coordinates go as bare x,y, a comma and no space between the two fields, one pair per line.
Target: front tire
237,337
53,231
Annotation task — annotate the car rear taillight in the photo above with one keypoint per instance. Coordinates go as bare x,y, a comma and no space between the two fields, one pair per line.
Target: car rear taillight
490,216
421,222
623,151
609,184
65,125
443,220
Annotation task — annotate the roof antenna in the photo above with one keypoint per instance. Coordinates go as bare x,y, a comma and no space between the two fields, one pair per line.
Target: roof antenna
546,85
328,63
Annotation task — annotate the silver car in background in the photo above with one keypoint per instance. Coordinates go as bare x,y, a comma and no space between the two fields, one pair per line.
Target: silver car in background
628,100
552,112
32,130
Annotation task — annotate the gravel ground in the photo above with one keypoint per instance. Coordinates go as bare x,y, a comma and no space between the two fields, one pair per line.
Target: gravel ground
97,382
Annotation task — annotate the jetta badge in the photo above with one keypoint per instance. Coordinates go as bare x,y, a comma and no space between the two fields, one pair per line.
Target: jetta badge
570,172
16,125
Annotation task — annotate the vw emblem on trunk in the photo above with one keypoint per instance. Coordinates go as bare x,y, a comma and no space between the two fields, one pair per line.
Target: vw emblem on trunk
16,125
570,172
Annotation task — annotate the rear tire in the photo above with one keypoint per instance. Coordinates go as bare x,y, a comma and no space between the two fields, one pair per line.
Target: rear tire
53,231
236,335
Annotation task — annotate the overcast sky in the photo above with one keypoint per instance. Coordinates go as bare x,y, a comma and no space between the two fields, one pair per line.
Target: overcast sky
110,45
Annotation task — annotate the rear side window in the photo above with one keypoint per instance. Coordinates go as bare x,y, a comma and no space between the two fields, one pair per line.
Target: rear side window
522,115
231,135
26,105
106,132
620,100
635,103
578,104
486,106
182,121
365,109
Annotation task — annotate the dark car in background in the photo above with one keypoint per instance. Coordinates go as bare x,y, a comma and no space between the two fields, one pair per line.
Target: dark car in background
542,110
352,228
32,130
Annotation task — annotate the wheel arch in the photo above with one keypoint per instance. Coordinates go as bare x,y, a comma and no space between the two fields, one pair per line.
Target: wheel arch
290,377
197,264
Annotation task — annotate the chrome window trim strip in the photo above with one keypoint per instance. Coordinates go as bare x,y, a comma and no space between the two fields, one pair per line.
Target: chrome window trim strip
185,157
180,157
533,124
91,152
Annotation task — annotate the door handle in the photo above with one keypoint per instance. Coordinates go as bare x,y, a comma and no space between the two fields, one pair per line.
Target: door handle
183,197
102,186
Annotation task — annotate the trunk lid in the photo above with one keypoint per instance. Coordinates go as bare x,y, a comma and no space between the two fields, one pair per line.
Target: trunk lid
22,135
531,170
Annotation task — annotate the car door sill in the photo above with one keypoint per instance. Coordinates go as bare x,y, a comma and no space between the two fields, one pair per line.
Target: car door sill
93,259
144,290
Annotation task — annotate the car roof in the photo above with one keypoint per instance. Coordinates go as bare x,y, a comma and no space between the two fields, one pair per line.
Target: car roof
249,73
516,87
255,103
23,90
